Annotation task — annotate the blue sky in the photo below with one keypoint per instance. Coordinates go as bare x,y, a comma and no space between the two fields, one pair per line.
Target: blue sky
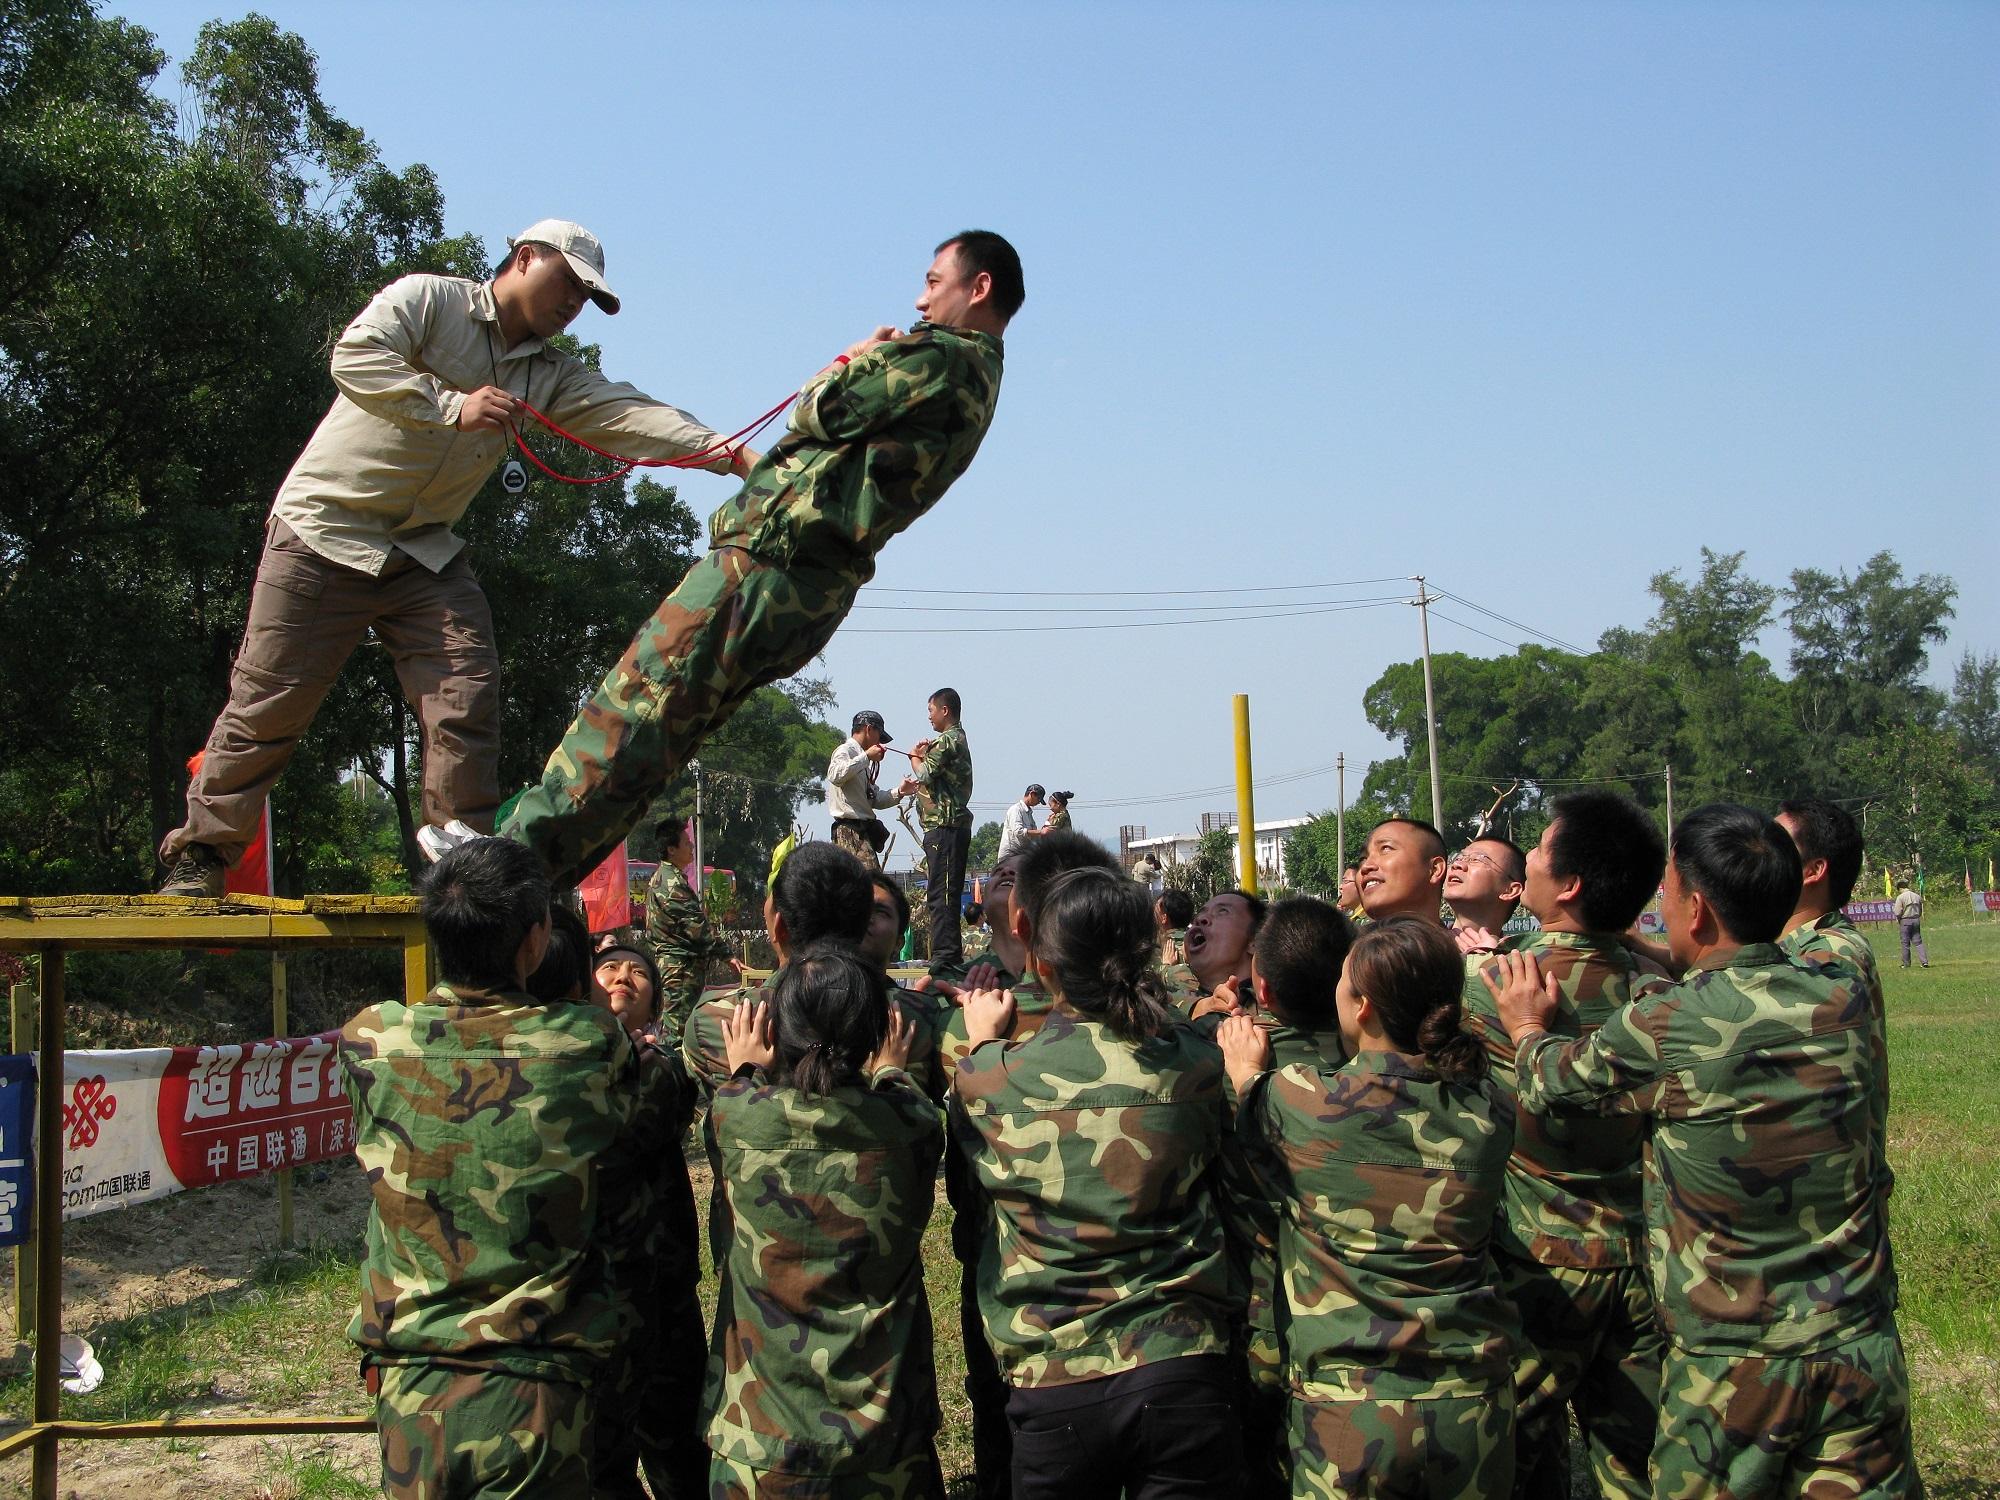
1534,299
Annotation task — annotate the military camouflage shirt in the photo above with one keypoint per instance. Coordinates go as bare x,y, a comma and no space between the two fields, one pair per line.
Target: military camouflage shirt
1105,1247
944,781
827,1367
1031,1008
872,445
1830,940
1763,1220
489,1124
684,944
1573,1185
1390,1180
1255,1213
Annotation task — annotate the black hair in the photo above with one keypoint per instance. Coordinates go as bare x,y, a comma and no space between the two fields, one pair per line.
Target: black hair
1257,905
1177,907
1095,941
1746,867
1301,945
1049,856
1827,832
1515,866
1034,790
645,956
565,970
1611,844
983,250
672,831
896,898
949,698
822,892
975,913
1438,850
1413,974
831,1010
1062,797
479,904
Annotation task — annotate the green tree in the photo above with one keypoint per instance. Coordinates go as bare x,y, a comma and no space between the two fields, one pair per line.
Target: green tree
1932,804
1212,869
1974,714
1313,858
984,848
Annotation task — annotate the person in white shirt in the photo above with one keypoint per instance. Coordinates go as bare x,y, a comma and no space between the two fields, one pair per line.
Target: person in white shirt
1019,825
854,791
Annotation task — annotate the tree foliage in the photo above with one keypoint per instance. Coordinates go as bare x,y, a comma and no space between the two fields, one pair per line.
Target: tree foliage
1312,856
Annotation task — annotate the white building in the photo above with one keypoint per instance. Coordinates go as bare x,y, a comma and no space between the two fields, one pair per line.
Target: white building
1172,848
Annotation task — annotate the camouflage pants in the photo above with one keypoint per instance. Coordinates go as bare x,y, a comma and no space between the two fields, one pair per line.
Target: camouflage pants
1589,1337
649,1404
732,625
1436,1448
1827,1424
855,842
458,1434
917,1477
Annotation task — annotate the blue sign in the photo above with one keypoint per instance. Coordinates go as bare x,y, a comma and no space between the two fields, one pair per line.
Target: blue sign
17,1153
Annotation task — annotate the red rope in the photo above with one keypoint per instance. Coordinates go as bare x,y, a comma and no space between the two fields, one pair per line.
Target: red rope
723,447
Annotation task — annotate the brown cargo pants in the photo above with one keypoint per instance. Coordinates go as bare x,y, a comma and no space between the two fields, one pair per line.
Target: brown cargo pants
306,617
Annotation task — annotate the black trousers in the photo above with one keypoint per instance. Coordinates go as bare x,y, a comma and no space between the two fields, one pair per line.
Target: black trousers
944,890
1164,1431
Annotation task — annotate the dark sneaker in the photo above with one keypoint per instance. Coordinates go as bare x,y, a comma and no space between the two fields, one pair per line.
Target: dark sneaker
198,872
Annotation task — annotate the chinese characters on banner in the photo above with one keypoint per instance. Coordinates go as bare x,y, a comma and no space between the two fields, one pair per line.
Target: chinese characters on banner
144,1123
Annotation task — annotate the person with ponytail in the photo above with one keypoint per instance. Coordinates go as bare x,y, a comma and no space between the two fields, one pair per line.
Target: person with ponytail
1102,1280
1398,1347
825,1384
1058,818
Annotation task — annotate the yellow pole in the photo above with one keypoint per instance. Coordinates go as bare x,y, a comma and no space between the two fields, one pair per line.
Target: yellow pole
1246,812
48,1221
281,1021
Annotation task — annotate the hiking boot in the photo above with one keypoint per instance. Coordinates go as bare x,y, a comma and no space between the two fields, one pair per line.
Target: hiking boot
198,872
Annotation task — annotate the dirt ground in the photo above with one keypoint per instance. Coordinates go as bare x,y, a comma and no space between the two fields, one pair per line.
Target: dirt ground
165,1254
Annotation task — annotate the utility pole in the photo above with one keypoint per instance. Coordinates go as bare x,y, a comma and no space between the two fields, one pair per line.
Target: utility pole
1340,813
1423,604
1246,811
1670,802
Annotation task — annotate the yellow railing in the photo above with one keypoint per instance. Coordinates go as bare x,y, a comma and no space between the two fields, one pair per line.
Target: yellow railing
55,926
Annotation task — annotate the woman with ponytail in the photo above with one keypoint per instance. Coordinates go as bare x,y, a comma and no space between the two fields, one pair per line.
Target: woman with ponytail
824,1382
1058,818
1390,1169
1101,1279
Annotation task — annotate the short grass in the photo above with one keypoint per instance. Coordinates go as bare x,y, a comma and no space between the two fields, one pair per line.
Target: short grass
277,1343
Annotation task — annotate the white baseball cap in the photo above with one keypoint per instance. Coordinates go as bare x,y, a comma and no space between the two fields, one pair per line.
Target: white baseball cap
580,248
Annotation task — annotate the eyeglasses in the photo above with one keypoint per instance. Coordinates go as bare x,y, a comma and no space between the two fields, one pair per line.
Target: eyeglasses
1467,857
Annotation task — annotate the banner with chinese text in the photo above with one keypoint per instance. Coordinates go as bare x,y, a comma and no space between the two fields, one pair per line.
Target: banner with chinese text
141,1124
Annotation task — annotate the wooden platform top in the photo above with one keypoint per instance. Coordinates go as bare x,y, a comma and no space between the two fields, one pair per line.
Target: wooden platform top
194,921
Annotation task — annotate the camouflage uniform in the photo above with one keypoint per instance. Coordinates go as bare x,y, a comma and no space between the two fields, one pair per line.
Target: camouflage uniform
1783,1372
1173,947
1252,1220
1099,1246
871,446
1570,1246
684,944
944,795
491,1127
1397,1342
1183,989
826,1371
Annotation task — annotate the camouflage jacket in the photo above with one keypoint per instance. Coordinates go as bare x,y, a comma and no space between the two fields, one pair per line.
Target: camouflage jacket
1833,940
1173,947
944,781
1764,1226
491,1127
1390,1180
1183,989
1031,1008
1573,1186
684,944
1104,1250
827,1367
1255,1213
872,445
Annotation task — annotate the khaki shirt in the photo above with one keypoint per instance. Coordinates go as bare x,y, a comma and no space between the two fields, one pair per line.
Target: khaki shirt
388,468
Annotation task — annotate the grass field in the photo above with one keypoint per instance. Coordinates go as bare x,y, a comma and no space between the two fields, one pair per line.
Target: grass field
275,1344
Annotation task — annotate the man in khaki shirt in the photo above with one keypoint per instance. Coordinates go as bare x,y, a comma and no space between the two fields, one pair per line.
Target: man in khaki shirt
430,376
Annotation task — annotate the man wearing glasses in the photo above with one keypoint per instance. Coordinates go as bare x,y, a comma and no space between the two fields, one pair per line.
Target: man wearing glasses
1483,883
427,381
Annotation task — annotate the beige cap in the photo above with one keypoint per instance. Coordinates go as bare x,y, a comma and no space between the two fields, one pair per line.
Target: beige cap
580,248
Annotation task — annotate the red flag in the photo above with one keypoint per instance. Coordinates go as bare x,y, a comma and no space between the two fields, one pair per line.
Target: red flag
607,895
251,875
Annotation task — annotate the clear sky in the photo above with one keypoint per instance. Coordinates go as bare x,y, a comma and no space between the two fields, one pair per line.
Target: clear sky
1536,300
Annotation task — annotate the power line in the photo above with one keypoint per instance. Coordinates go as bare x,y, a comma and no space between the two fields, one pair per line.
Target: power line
1473,628
1118,609
1269,588
1276,614
1505,620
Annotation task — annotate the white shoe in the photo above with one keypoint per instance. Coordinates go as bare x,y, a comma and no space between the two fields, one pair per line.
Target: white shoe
438,842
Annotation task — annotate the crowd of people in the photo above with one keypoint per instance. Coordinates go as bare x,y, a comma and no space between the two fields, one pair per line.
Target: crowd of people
1259,1199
